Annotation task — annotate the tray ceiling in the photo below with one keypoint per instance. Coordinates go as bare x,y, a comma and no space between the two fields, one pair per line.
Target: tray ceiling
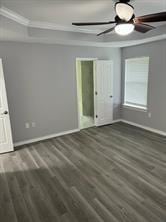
64,12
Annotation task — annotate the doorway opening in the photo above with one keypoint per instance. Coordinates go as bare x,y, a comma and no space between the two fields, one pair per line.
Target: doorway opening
85,92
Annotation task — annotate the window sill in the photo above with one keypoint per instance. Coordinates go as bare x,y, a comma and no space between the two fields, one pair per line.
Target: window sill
136,108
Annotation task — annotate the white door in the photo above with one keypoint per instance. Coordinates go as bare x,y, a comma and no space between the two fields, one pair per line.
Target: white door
103,92
6,144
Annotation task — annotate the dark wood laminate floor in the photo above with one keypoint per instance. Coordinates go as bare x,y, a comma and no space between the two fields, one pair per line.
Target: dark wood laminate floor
110,174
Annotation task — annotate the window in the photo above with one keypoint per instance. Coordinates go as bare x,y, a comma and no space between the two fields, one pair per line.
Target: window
136,82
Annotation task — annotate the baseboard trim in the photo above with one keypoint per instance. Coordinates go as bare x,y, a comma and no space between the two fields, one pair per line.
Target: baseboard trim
25,142
145,127
116,121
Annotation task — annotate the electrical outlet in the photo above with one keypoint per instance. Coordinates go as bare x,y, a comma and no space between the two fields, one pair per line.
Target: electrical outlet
33,124
149,115
27,125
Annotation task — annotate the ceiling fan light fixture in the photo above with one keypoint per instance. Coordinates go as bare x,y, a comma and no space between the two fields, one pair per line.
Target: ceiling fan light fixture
124,11
124,29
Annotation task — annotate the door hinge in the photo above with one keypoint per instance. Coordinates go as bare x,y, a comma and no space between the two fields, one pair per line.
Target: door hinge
96,116
96,93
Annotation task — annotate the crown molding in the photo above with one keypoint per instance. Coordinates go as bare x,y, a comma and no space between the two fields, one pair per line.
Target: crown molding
14,16
59,42
143,41
41,25
53,26
118,44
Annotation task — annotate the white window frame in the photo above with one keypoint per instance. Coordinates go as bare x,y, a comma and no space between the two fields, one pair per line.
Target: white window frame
135,106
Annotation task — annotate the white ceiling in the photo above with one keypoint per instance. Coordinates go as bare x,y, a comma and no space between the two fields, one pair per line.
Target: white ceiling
64,12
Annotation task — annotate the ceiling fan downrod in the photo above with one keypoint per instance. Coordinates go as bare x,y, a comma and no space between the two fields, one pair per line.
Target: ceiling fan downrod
123,1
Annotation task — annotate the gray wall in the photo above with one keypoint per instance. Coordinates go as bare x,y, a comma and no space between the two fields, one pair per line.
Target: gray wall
41,85
157,85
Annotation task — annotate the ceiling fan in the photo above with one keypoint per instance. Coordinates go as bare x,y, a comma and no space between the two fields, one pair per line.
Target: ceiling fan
126,22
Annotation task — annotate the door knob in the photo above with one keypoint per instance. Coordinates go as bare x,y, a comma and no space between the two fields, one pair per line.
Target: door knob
5,113
111,96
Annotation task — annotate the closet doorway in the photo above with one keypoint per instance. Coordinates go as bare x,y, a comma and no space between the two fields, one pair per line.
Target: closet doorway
85,91
94,92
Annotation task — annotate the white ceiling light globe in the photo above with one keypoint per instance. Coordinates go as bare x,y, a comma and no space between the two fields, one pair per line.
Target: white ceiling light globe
124,11
124,29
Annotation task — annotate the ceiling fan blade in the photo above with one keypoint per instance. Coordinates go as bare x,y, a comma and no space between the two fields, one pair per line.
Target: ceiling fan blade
106,31
92,23
143,28
157,17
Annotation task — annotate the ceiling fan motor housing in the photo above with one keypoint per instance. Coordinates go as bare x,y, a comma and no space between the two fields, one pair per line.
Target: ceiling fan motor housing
120,21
